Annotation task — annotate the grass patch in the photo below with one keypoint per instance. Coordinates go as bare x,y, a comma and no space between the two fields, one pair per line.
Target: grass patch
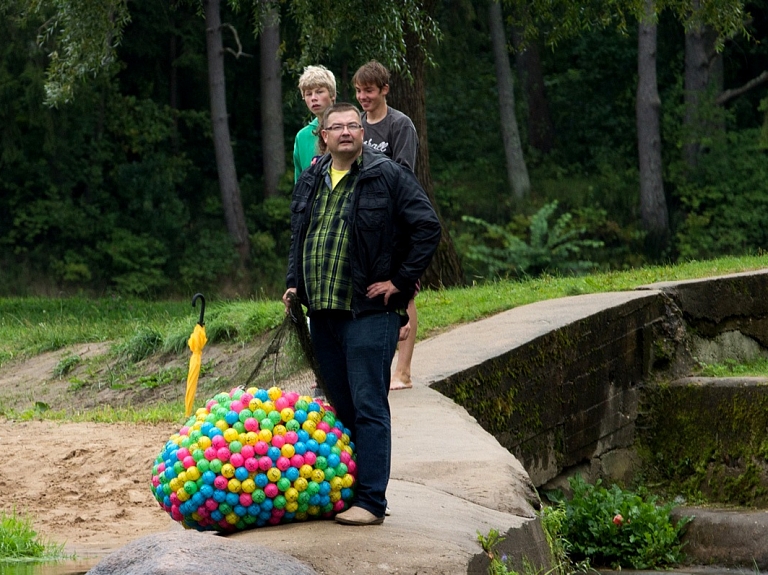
20,542
167,412
733,368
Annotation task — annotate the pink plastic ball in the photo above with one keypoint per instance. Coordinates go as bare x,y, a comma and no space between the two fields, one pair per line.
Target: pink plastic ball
324,426
291,437
247,451
283,463
237,459
265,463
218,441
236,406
251,424
251,464
210,453
220,482
297,461
278,441
261,447
281,403
223,454
310,458
246,499
271,490
188,462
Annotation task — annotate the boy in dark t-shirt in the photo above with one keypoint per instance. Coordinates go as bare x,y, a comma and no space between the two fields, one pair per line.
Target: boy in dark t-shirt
393,133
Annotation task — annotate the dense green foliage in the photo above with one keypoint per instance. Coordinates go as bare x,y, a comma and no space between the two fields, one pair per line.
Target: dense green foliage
619,528
117,191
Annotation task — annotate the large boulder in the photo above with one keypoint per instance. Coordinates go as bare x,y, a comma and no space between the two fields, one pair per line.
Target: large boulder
191,552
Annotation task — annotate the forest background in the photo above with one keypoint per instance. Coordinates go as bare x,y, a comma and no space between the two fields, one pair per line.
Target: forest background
548,141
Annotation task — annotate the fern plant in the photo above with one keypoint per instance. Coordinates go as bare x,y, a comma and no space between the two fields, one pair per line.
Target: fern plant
554,246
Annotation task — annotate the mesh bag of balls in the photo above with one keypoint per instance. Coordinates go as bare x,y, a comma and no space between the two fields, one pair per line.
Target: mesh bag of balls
256,457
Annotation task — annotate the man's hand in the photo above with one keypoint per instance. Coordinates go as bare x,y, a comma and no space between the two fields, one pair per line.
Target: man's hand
286,301
405,331
386,288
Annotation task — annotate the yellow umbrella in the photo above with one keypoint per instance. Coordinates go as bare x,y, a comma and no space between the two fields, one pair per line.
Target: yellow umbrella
196,343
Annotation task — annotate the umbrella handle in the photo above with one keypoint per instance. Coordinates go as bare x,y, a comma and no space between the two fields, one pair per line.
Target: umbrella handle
202,306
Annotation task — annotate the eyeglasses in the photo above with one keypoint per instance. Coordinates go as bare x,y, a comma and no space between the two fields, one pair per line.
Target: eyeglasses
340,127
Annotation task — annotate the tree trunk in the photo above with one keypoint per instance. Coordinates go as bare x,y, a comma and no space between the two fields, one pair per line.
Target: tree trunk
541,129
653,205
225,160
272,103
517,172
703,77
410,98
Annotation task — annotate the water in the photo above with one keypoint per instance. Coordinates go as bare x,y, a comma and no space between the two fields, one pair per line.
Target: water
75,567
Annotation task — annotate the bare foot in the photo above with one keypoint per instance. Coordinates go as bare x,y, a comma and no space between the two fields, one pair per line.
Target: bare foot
397,383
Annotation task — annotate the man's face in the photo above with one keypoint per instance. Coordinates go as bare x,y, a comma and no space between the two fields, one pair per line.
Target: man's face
371,97
317,99
343,134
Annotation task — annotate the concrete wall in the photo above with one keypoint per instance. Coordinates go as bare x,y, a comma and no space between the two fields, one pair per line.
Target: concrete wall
568,396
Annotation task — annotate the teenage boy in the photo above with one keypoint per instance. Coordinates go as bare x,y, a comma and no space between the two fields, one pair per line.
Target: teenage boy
393,133
318,88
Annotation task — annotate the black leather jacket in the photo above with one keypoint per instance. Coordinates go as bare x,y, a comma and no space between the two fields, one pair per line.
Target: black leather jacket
393,230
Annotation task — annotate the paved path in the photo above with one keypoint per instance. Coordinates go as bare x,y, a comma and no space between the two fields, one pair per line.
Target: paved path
450,478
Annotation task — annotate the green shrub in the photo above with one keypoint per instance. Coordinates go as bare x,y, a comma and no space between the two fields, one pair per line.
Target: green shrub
550,247
619,528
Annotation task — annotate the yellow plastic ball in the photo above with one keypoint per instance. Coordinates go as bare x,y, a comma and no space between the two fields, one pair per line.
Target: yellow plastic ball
228,470
300,484
335,496
279,430
251,438
319,436
222,425
309,426
232,518
268,407
336,484
305,471
182,494
254,404
287,414
347,480
265,435
274,474
182,477
314,416
288,450
291,506
193,473
291,494
313,510
204,442
234,485
318,476
301,516
274,393
175,484
230,434
248,485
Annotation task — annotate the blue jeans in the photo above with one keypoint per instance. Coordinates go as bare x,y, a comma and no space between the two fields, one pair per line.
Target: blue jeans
355,358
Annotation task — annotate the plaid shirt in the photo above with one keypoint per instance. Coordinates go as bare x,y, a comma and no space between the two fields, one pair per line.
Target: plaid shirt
327,274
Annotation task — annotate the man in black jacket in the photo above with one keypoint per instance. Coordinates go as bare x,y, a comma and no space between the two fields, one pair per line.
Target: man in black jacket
362,233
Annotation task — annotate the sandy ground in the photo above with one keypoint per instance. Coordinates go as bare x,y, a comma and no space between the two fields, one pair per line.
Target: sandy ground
86,485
